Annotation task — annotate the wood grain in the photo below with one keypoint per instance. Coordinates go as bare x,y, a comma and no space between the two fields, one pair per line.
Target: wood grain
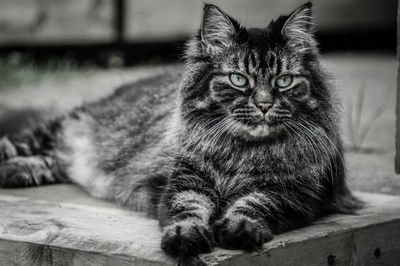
62,225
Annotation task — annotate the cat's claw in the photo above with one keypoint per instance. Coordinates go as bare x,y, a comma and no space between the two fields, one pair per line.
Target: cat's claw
183,239
241,233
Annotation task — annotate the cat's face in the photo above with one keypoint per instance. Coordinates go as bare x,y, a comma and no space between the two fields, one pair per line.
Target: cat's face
259,77
260,89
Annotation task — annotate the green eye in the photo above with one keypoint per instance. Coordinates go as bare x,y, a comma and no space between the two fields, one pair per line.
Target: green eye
238,80
283,81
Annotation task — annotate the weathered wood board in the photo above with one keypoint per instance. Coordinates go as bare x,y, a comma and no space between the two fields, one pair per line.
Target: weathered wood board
56,21
61,225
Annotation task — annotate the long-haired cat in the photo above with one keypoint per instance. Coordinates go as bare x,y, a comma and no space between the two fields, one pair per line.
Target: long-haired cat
240,145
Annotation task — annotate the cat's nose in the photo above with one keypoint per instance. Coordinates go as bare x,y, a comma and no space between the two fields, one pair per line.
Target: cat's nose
264,107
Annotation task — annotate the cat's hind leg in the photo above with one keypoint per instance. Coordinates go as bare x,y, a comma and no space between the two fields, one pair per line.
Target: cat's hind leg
29,171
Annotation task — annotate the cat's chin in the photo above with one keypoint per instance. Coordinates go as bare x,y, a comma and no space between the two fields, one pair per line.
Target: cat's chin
261,131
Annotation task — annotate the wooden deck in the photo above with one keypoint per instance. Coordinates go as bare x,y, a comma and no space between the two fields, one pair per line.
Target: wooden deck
61,225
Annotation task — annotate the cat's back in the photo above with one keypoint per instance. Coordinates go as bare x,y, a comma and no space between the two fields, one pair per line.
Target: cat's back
127,123
140,98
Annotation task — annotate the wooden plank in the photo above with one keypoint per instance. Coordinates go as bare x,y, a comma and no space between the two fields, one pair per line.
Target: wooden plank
62,225
57,224
56,21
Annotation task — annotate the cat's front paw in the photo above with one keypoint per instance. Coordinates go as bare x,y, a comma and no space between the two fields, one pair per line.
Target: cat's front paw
186,239
240,232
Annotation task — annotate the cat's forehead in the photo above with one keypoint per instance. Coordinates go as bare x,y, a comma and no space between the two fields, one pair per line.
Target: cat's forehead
265,60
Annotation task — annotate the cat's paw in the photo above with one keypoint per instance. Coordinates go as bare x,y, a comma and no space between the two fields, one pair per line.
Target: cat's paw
23,172
186,239
240,232
7,149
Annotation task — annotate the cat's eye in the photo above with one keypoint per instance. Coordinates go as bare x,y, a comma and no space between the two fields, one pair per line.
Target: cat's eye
238,80
283,81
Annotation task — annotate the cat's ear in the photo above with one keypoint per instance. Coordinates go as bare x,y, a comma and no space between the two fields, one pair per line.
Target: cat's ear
298,28
217,29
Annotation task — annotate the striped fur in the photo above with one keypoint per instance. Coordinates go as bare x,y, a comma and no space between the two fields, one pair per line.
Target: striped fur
196,152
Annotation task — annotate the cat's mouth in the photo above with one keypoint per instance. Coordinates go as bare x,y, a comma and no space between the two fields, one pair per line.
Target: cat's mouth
263,127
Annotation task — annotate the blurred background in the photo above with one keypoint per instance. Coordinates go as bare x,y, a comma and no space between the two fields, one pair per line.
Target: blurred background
126,32
56,54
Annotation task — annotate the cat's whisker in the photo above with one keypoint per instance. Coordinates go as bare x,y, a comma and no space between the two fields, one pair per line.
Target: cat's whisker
327,147
220,132
324,134
336,150
323,149
296,130
194,133
234,127
311,141
210,132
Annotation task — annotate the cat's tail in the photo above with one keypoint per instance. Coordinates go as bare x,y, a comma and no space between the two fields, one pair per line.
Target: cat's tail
345,202
27,148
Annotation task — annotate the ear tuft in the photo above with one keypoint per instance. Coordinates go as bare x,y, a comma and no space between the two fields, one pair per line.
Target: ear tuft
298,28
217,29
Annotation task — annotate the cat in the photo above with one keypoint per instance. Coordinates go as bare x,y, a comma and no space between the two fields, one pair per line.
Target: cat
241,143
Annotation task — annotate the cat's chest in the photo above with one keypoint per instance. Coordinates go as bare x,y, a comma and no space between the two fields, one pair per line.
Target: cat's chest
236,174
234,179
253,163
